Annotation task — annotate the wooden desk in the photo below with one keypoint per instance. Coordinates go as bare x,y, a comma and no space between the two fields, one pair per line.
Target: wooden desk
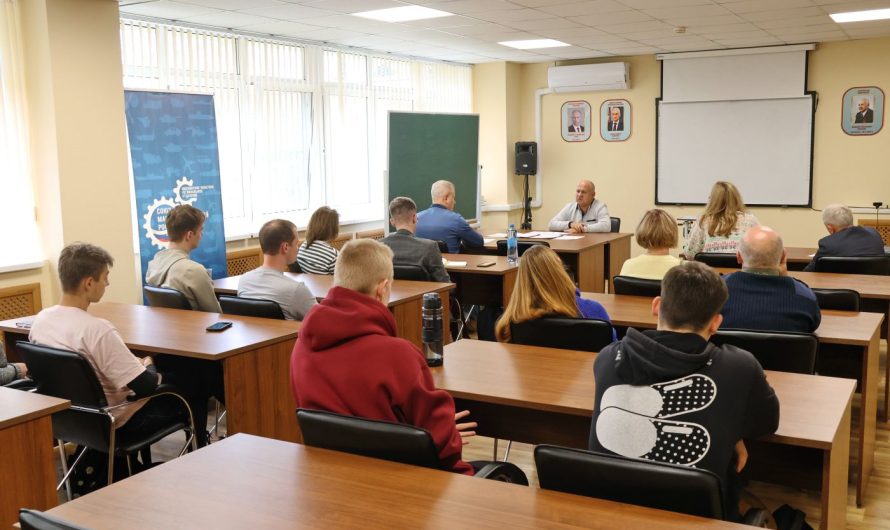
482,285
594,258
405,301
27,464
862,330
249,482
544,395
254,352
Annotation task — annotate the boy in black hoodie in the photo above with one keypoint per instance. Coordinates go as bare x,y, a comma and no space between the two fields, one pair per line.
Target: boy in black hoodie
671,396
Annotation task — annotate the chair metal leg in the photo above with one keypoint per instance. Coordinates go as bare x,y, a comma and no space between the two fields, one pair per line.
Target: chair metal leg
494,456
111,447
64,456
65,479
507,452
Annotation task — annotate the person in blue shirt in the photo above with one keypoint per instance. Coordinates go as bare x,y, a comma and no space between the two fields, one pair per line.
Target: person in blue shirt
440,221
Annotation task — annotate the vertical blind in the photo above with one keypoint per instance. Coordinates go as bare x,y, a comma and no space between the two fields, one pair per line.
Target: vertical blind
299,126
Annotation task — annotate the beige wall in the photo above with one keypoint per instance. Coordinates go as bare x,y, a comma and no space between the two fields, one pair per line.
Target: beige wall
846,169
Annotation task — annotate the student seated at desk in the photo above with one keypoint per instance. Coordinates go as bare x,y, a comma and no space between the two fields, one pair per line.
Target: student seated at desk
317,255
348,359
721,227
762,296
543,288
668,395
10,372
278,240
440,222
172,267
83,271
657,233
409,249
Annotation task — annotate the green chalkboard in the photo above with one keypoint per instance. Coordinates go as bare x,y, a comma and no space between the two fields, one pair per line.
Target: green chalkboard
424,148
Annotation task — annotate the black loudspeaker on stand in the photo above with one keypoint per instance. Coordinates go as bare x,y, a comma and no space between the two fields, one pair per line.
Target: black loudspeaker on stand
526,164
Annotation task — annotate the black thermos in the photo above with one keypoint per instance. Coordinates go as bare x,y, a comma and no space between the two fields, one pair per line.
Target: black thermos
432,329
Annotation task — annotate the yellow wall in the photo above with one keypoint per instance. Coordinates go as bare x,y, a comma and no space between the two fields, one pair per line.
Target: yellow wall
846,169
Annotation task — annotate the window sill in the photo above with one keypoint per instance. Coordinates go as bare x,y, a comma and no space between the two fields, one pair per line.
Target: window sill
22,267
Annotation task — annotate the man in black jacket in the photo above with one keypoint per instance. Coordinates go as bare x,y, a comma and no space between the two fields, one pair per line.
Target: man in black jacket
845,239
669,395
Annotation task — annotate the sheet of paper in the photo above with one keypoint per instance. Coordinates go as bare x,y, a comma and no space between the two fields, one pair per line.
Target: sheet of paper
528,234
568,236
499,235
486,240
544,235
453,263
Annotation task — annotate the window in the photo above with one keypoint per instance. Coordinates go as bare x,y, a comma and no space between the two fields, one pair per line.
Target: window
299,126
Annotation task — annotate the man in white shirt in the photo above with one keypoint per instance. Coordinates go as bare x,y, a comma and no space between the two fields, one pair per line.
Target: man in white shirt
83,271
586,214
279,241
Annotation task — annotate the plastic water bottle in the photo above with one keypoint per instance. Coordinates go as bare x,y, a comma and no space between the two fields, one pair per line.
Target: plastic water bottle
512,246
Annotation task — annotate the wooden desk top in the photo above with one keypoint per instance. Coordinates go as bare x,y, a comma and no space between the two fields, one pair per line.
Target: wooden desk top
499,268
571,246
837,327
181,332
250,482
868,286
562,381
18,407
319,285
799,254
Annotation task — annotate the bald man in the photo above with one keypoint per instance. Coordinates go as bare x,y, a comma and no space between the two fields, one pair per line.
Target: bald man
586,214
762,296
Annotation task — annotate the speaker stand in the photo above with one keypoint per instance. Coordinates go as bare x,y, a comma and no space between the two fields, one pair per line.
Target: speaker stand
526,207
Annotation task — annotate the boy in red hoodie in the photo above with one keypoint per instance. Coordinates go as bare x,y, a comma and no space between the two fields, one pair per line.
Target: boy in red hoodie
348,359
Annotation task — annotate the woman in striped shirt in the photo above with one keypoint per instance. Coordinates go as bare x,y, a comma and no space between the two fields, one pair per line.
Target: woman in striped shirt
316,255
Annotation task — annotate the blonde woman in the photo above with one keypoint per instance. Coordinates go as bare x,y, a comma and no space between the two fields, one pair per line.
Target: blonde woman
657,233
316,255
723,223
543,288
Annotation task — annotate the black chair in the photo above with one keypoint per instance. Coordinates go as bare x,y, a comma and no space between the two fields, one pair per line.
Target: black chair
615,224
443,246
876,265
636,286
35,520
89,421
646,483
250,307
410,272
396,442
839,299
780,351
715,259
564,333
165,297
295,268
521,246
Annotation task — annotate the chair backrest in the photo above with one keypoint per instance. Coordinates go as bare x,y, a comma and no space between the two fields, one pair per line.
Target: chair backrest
68,375
563,332
410,272
396,442
34,520
250,307
443,246
839,299
615,224
521,246
636,286
715,259
165,297
877,265
646,483
783,352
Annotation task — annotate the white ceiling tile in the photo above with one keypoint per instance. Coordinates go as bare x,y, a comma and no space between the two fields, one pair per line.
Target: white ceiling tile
649,35
727,28
228,19
694,22
234,4
281,27
354,23
540,3
329,35
478,29
591,7
691,12
168,10
353,6
543,25
801,12
576,53
637,50
820,20
463,7
801,30
509,15
571,33
751,6
620,17
638,27
453,21
653,4
293,12
742,43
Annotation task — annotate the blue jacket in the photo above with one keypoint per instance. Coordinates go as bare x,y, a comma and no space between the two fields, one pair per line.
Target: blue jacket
439,223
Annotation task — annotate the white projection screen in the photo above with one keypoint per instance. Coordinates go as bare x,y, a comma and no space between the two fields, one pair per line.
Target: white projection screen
745,118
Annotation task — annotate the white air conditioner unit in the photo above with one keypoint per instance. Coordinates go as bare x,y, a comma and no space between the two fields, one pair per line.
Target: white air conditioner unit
589,77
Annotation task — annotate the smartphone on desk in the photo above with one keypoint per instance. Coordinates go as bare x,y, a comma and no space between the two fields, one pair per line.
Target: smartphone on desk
486,264
219,326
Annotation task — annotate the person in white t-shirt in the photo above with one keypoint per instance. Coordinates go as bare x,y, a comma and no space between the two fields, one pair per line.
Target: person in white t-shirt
279,241
83,271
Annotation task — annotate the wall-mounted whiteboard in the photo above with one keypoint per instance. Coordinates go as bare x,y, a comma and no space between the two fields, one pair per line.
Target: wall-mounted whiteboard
763,146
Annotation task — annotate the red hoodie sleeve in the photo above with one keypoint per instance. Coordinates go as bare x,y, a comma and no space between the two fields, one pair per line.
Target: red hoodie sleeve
433,410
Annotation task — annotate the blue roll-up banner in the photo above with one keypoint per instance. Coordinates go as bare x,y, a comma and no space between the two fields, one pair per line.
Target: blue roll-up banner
175,157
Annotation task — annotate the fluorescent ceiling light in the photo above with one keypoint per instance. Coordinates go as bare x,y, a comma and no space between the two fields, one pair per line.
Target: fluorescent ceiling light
533,44
403,14
860,16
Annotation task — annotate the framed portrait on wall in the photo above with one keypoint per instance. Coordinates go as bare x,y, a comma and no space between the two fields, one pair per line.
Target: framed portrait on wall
862,111
615,120
575,121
